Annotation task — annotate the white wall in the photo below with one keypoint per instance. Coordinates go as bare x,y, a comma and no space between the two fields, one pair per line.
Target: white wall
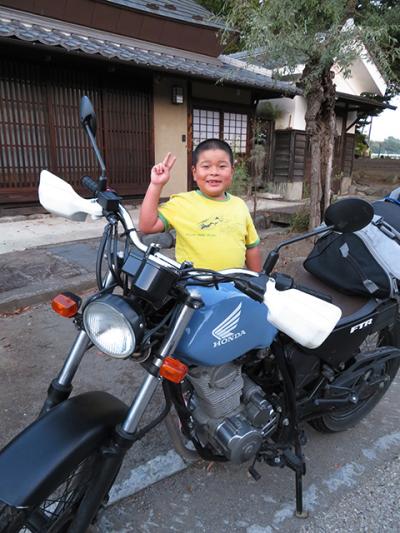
292,113
170,123
364,77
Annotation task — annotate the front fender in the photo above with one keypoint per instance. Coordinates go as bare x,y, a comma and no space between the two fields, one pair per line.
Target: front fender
37,460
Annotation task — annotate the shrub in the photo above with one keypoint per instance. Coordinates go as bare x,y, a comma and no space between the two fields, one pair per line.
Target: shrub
300,221
241,179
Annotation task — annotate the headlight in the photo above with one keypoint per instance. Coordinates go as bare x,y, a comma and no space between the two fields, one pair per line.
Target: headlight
113,325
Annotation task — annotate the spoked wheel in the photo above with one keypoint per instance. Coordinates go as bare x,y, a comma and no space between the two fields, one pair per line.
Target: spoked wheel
56,512
369,388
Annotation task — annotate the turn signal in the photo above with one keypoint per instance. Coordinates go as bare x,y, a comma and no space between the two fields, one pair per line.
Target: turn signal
66,304
173,370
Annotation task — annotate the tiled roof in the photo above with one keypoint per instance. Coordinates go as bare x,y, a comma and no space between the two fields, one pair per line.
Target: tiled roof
141,53
363,103
185,10
260,58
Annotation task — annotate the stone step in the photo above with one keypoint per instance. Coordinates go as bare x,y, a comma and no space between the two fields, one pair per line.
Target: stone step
284,215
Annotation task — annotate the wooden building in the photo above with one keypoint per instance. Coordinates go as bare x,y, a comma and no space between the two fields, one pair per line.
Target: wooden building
288,170
154,72
290,166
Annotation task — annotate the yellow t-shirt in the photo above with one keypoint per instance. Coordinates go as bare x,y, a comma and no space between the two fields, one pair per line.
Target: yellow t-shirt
210,233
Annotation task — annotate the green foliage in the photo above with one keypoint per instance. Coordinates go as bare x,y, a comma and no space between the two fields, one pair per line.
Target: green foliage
217,7
337,180
267,111
300,221
386,14
283,33
362,148
306,189
241,178
316,36
390,145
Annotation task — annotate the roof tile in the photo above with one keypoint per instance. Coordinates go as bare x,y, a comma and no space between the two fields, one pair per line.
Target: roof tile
144,54
184,10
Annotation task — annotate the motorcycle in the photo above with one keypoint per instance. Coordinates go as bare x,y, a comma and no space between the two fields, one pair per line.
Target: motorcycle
244,361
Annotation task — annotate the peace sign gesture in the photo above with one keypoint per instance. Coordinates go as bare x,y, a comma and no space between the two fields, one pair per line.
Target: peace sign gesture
160,173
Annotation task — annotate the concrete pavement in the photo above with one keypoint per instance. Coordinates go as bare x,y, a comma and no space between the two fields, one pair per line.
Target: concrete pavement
42,255
351,485
39,256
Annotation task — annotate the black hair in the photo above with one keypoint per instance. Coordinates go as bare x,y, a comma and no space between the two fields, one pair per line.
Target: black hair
211,144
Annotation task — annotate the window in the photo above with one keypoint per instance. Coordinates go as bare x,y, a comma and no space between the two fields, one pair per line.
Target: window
231,127
206,125
235,131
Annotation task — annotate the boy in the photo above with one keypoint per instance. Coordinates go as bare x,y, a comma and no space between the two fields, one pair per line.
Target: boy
213,228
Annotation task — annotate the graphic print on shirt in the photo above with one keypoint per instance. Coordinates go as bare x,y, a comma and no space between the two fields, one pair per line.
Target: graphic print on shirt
210,222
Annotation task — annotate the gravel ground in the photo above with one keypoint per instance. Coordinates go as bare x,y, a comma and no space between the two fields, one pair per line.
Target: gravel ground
373,506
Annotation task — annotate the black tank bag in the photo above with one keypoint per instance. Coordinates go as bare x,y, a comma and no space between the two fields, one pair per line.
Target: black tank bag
366,262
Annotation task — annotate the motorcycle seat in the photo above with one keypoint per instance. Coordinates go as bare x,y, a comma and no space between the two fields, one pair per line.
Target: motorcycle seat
353,307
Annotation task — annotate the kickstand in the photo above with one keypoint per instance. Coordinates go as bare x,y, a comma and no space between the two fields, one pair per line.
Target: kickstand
299,473
300,513
295,461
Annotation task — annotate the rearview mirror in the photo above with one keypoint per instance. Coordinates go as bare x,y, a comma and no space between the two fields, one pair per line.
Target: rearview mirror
349,214
87,114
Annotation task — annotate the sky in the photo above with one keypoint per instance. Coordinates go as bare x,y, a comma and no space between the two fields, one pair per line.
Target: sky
387,124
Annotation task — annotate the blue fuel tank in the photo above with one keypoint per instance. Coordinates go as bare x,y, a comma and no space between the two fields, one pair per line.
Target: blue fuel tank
229,325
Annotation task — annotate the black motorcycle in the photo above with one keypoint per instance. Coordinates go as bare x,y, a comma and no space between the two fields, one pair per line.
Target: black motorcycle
239,379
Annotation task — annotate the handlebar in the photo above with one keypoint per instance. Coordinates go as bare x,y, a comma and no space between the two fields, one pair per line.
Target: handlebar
284,282
89,184
317,294
253,291
134,238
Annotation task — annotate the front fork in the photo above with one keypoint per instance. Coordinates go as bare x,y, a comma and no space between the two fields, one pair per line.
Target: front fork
61,387
126,434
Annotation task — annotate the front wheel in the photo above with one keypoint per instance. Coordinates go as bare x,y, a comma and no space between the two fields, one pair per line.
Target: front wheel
56,512
349,416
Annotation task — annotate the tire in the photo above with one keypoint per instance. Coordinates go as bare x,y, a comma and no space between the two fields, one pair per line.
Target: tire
56,512
349,416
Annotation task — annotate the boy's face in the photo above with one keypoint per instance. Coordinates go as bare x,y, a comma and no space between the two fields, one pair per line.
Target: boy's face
213,173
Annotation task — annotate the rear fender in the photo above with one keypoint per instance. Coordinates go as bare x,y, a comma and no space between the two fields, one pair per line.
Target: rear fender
363,362
37,460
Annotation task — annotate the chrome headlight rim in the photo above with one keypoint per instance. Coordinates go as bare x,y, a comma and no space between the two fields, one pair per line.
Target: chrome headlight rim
125,316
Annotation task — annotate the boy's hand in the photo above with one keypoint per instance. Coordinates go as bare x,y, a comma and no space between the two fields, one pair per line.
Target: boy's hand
160,173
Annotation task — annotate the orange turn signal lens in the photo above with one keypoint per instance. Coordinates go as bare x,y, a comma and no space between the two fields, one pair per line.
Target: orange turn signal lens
173,370
66,305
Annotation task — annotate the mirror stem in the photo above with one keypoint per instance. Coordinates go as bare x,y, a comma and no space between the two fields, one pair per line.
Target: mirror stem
103,179
273,256
315,231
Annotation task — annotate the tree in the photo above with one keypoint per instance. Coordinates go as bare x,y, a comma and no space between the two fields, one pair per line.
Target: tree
216,7
318,35
390,145
386,43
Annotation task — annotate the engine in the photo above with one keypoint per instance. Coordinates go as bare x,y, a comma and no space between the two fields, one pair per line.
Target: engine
230,411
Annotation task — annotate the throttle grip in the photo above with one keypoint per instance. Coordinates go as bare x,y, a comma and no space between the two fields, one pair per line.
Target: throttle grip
89,184
254,291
